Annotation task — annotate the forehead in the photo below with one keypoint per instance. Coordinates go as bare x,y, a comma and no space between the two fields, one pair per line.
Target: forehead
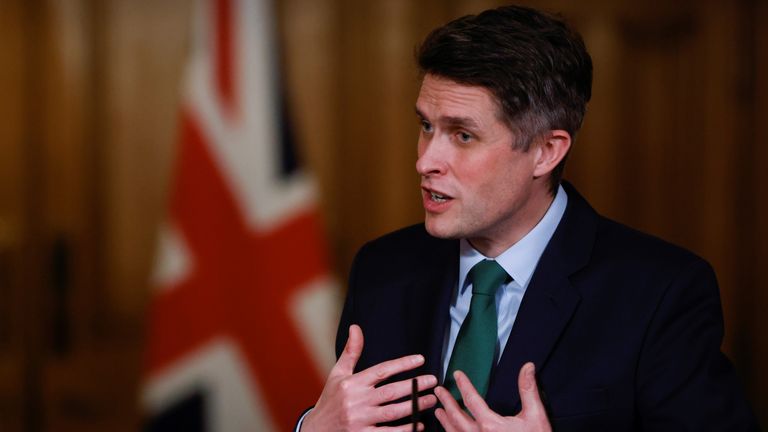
442,97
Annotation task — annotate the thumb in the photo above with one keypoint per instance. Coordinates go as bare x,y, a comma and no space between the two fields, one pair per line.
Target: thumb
529,392
352,350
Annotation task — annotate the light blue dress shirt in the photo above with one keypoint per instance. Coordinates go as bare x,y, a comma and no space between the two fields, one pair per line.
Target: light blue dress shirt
519,261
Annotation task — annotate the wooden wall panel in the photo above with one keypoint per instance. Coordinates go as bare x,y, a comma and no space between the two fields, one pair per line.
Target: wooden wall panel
308,30
594,156
13,223
70,210
375,49
78,387
755,296
142,59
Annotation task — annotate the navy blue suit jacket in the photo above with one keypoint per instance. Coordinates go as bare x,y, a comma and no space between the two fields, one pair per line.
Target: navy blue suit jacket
624,329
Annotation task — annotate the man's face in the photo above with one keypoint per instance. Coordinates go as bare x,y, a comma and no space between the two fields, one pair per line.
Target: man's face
475,184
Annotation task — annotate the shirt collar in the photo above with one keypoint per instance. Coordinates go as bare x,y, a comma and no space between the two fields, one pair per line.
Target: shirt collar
520,260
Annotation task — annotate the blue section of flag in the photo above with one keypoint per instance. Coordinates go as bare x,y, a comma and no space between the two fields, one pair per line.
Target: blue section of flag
187,414
289,162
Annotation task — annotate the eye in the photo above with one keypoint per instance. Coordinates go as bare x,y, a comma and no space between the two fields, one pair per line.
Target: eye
464,137
426,126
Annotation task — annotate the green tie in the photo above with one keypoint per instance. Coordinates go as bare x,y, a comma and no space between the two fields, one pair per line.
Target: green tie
476,342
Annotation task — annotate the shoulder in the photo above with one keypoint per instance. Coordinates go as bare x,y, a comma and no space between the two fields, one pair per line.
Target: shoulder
408,243
619,242
609,260
643,256
605,244
657,305
403,254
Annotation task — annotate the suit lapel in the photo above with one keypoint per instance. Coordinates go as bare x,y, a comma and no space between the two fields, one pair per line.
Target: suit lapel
548,304
443,277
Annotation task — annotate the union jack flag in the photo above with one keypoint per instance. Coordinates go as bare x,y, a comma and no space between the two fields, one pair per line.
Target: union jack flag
241,322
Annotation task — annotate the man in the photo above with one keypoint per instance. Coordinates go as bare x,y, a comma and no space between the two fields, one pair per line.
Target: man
531,310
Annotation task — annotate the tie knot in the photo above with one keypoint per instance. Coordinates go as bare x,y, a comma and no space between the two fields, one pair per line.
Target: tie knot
487,276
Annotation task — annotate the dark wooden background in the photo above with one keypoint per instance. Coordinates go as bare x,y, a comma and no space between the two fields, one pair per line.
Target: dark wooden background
673,144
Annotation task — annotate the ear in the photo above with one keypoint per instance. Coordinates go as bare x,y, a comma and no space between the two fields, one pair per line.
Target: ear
551,149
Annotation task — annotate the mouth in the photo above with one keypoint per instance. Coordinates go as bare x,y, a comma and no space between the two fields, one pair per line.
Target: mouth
436,197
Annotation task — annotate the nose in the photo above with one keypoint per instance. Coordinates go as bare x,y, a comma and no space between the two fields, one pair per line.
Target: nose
431,160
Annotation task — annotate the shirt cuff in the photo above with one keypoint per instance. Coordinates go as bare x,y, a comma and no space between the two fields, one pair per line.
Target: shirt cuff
301,420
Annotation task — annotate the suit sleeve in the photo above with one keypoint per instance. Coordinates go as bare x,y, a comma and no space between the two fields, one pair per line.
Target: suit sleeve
684,381
348,311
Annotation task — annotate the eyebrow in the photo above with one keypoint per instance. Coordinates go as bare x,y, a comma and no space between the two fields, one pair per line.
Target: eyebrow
452,121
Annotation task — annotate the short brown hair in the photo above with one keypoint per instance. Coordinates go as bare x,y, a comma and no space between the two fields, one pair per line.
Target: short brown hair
535,65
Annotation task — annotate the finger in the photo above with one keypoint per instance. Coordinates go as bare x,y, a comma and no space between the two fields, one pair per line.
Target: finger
378,373
399,389
529,392
455,416
392,412
442,417
352,350
472,399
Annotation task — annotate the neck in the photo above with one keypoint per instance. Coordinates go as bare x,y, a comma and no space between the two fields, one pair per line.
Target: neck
524,220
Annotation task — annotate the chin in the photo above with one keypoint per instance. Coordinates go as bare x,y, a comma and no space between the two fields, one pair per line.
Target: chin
440,230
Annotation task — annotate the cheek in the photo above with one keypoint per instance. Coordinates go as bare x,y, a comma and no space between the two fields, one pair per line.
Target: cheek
485,186
494,175
491,173
500,182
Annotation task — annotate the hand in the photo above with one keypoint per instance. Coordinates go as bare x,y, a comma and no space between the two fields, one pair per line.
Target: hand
532,418
351,402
